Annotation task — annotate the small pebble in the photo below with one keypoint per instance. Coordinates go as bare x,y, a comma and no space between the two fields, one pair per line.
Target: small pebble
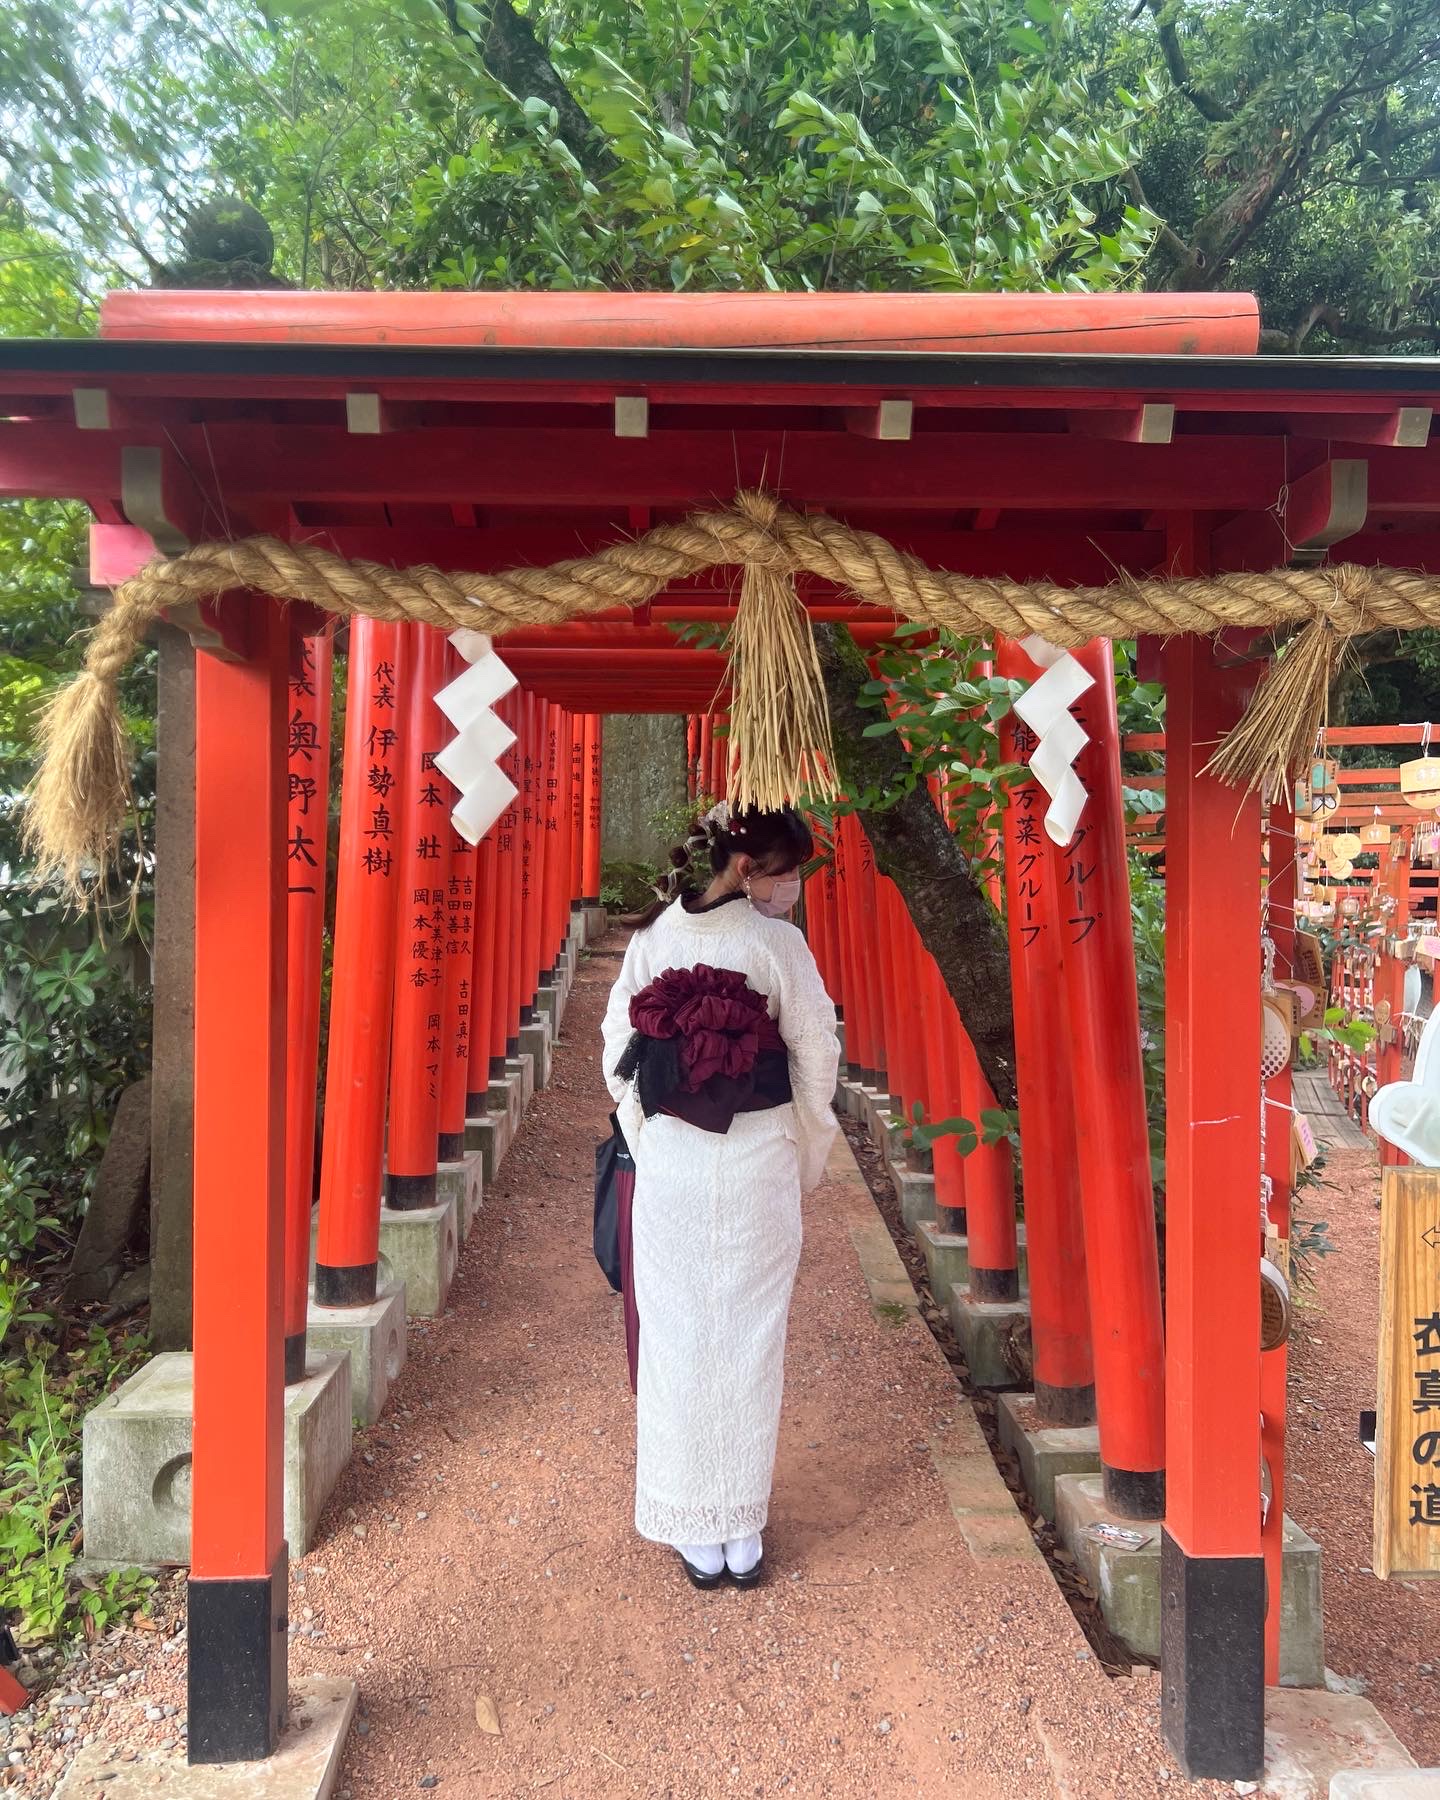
883,1727
153,1714
429,1781
362,1727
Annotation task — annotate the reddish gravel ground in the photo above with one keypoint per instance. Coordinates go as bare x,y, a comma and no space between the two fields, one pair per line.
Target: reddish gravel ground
480,1548
1385,1633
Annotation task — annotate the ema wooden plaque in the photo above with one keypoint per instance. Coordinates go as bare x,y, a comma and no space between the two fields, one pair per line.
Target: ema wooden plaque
1407,1434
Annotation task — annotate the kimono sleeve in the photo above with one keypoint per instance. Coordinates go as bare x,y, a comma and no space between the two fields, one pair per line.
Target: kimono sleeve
616,1029
806,1020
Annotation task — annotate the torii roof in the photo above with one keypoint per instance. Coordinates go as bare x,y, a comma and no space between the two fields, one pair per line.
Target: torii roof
483,430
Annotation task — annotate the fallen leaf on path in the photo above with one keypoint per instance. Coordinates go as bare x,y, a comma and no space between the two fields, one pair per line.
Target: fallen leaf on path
487,1716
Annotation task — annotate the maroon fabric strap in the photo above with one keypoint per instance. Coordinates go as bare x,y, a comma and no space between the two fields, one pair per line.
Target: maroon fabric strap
625,1202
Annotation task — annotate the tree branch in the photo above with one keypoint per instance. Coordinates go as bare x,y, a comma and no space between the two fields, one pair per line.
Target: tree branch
518,60
915,848
1209,105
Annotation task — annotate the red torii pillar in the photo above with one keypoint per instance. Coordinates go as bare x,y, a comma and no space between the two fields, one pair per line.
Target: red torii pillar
1064,1366
308,785
461,1011
1111,1134
578,727
416,1042
237,1592
362,979
594,758
1212,1574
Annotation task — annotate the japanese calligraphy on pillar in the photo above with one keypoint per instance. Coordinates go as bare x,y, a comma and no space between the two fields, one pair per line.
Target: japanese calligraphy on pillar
1078,905
308,768
1026,849
460,942
382,741
1407,1435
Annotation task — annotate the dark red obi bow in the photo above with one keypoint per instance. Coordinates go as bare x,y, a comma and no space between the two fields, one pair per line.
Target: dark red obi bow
720,1020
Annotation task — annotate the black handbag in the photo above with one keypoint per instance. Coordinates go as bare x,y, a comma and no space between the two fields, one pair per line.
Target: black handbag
613,1163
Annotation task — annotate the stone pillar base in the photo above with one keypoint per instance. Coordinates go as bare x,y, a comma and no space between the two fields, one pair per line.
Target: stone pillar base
137,1453
947,1259
916,1194
421,1250
464,1183
537,1041
995,1336
1045,1452
372,1338
1127,1578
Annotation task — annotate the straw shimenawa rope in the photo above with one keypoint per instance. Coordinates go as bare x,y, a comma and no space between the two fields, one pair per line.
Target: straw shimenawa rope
82,793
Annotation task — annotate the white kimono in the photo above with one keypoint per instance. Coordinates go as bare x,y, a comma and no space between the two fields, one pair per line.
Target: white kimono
716,1229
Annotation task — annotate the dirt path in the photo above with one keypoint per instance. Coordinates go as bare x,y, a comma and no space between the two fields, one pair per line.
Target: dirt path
1385,1633
481,1545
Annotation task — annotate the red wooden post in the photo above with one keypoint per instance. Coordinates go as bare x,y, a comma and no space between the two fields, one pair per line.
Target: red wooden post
834,974
594,743
532,865
989,1192
1212,1572
857,1021
578,726
1064,1368
487,1059
509,835
692,756
308,782
555,829
362,979
874,1074
946,1101
707,740
1111,1133
416,1051
238,1573
457,1043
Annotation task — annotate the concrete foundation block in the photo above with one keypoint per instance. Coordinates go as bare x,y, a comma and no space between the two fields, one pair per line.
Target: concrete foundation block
421,1249
372,1338
1045,1452
464,1183
551,999
916,1194
305,1766
1127,1580
1320,1745
488,1138
1385,1784
597,923
137,1456
995,1336
523,1065
537,1041
947,1259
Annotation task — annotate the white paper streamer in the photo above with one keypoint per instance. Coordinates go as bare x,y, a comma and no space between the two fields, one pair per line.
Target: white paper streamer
471,760
1045,708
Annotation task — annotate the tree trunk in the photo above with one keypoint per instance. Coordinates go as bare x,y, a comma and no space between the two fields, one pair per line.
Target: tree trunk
915,848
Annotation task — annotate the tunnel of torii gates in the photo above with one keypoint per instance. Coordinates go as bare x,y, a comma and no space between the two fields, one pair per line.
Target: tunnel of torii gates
1062,437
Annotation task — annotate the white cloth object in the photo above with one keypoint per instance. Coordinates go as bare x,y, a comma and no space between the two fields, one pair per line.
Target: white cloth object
716,1235
1045,708
470,761
742,1554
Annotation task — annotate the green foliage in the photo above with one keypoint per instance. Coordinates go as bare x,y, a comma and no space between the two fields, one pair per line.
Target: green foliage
1310,1239
44,1396
1294,151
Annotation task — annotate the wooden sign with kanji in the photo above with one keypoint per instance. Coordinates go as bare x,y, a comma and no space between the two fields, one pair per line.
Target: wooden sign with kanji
1407,1434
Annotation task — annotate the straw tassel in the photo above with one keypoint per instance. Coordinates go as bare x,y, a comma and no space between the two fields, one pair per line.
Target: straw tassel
780,742
1276,737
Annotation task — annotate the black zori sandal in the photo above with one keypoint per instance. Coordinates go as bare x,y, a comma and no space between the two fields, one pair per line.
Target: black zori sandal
699,1578
751,1577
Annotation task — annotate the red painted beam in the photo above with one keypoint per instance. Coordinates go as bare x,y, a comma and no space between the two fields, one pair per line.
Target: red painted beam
254,462
1115,324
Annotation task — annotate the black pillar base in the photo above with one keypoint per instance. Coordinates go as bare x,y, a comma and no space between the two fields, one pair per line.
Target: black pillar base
527,1014
993,1284
294,1359
951,1221
1064,1405
409,1193
1134,1493
498,1071
476,1105
920,1157
852,1071
346,1286
451,1144
237,1658
512,1046
1212,1662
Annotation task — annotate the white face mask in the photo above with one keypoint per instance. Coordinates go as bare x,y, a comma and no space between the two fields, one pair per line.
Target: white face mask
780,899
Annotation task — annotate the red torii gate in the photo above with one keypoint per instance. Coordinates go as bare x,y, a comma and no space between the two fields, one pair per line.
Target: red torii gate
484,430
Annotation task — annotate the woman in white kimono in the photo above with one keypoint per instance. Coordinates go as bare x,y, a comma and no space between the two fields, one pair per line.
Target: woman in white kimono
720,1049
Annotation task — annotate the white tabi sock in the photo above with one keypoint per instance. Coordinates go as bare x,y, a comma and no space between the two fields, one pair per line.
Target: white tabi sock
709,1559
742,1554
